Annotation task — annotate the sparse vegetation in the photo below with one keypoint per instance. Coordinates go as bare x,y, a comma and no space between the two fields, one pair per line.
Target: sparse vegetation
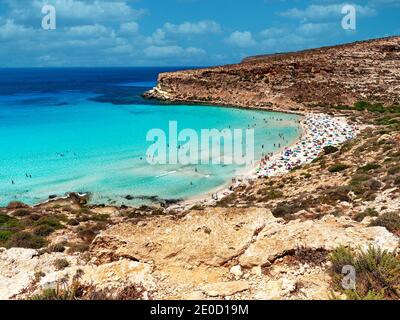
77,247
369,167
371,107
73,222
61,264
338,168
21,212
330,150
394,170
25,240
370,212
270,195
390,220
52,222
43,230
377,273
58,247
78,291
4,237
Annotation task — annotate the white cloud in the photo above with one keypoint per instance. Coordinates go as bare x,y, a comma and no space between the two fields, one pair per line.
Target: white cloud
200,27
101,10
11,30
72,10
289,42
157,38
172,51
241,39
274,32
129,27
95,30
313,29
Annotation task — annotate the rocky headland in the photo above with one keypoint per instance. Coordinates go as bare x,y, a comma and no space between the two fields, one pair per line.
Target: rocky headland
340,75
277,237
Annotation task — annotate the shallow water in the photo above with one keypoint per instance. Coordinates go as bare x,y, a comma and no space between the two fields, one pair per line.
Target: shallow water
84,130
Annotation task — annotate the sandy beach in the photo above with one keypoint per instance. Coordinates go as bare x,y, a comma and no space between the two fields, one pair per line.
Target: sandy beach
318,131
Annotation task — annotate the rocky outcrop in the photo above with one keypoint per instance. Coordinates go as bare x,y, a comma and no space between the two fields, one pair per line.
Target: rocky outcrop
27,271
222,252
333,75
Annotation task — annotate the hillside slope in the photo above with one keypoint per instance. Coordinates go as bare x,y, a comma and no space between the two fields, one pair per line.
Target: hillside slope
337,75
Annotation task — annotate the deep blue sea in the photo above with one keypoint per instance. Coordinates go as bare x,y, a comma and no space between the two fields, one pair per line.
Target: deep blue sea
84,130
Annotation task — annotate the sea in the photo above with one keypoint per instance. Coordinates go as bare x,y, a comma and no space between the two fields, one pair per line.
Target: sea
84,130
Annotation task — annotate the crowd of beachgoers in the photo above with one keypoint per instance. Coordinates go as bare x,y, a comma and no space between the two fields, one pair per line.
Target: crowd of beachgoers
319,131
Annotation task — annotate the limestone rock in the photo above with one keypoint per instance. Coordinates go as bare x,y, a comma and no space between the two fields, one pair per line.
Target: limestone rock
275,241
237,271
223,289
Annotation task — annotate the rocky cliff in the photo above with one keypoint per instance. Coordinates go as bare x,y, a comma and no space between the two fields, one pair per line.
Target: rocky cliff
337,75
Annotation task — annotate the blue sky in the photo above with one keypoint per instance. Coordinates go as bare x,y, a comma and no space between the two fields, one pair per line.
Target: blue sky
179,32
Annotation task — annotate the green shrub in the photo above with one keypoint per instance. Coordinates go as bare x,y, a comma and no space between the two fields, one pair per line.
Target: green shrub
330,150
286,210
340,257
61,264
373,184
359,178
78,247
272,195
26,240
389,220
369,167
100,217
43,230
7,222
334,194
73,222
394,170
370,212
316,160
59,294
225,201
58,247
376,107
347,146
21,212
49,221
362,185
377,273
5,236
306,175
338,167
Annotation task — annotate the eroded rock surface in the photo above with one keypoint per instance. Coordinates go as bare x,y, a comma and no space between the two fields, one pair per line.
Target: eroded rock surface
333,75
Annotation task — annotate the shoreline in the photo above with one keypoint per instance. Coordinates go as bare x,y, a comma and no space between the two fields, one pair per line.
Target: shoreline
244,176
253,173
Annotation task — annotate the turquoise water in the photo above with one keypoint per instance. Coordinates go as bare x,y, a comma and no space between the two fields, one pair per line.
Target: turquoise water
51,146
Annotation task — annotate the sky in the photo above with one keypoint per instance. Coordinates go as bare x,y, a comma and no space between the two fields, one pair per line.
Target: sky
115,33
